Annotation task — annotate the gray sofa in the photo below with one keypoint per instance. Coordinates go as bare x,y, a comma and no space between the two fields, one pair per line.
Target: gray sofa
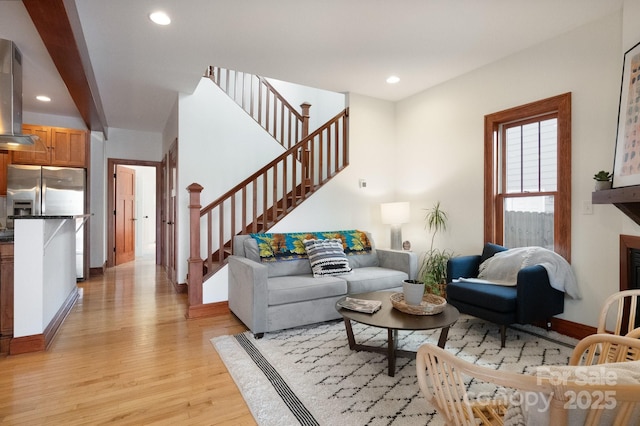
270,296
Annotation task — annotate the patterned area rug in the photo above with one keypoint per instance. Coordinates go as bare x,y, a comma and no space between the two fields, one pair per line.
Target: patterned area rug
309,376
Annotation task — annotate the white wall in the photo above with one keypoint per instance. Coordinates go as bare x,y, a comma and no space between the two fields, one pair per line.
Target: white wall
97,224
440,146
170,132
134,145
219,146
372,126
324,104
53,120
630,29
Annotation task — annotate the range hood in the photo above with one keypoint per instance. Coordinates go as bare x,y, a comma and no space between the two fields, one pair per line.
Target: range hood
11,137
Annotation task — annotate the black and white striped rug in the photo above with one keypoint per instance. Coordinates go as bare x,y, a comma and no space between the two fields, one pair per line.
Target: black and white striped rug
309,376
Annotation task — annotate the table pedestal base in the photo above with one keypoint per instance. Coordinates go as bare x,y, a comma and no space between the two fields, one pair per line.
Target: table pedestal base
391,350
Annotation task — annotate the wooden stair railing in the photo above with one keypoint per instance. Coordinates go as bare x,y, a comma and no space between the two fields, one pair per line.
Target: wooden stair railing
258,98
263,199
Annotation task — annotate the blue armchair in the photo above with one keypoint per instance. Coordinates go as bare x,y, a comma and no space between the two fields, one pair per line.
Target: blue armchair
532,299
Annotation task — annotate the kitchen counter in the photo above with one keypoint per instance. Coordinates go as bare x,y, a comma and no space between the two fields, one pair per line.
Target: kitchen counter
7,235
44,278
54,216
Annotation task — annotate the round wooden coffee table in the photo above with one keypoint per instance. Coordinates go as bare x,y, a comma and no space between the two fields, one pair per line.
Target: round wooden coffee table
393,320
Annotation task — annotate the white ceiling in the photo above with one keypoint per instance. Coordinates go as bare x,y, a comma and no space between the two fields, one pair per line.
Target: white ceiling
338,45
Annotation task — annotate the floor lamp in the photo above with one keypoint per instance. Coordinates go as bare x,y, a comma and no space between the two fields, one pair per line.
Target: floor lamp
395,214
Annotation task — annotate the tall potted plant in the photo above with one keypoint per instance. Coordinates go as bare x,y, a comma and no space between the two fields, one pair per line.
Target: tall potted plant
433,265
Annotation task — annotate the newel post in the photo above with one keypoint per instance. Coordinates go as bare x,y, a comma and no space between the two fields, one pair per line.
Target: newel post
304,107
306,153
195,260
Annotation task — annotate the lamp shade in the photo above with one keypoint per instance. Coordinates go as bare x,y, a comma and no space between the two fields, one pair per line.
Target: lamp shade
395,213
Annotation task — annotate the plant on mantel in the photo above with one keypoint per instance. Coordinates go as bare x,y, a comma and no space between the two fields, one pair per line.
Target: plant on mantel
433,264
603,180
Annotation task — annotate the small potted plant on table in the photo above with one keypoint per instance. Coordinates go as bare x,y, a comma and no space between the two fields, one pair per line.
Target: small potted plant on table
603,180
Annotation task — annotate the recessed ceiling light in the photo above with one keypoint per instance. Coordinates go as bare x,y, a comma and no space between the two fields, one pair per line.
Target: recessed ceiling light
160,18
43,98
393,79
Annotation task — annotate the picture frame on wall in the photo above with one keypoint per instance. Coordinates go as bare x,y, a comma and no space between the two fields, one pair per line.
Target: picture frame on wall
626,164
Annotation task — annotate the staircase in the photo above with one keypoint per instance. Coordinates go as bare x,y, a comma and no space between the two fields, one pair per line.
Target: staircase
258,98
271,193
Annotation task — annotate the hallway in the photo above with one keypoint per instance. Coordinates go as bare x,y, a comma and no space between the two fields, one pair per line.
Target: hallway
125,355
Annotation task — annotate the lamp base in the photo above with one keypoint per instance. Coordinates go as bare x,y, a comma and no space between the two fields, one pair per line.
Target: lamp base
396,237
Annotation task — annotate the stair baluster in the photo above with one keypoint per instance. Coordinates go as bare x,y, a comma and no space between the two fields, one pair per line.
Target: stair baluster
272,111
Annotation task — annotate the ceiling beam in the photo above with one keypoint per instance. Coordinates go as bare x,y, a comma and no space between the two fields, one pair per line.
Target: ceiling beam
58,24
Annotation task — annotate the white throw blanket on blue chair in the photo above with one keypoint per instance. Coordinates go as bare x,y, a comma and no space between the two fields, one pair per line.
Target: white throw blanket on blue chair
503,267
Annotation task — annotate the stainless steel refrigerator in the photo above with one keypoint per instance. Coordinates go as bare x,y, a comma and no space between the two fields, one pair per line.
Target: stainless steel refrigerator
44,190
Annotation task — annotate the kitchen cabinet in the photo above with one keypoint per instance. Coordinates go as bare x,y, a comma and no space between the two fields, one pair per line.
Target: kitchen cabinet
6,296
30,157
65,147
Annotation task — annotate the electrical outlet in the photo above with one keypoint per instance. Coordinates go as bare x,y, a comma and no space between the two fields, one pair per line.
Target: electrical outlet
587,207
362,183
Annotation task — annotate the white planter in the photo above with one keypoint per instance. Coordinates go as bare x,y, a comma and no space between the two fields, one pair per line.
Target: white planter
413,291
603,184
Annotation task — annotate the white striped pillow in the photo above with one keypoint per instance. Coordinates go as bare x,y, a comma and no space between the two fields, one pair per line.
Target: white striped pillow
327,257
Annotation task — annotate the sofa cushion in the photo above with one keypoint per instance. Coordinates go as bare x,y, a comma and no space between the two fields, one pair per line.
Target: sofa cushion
364,260
251,251
327,257
495,297
490,249
373,278
298,288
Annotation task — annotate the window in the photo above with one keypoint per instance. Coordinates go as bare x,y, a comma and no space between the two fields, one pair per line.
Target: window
528,175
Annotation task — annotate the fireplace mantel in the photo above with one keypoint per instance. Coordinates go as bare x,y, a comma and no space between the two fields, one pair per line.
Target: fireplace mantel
627,199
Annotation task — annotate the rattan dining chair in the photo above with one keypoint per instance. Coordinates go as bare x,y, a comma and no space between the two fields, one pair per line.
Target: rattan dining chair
635,333
618,313
605,348
443,379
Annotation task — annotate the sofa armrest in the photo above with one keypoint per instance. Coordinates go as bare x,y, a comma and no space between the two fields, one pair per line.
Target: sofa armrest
248,295
406,261
537,300
463,267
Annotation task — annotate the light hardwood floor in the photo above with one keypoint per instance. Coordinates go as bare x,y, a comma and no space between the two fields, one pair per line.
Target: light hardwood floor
126,355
